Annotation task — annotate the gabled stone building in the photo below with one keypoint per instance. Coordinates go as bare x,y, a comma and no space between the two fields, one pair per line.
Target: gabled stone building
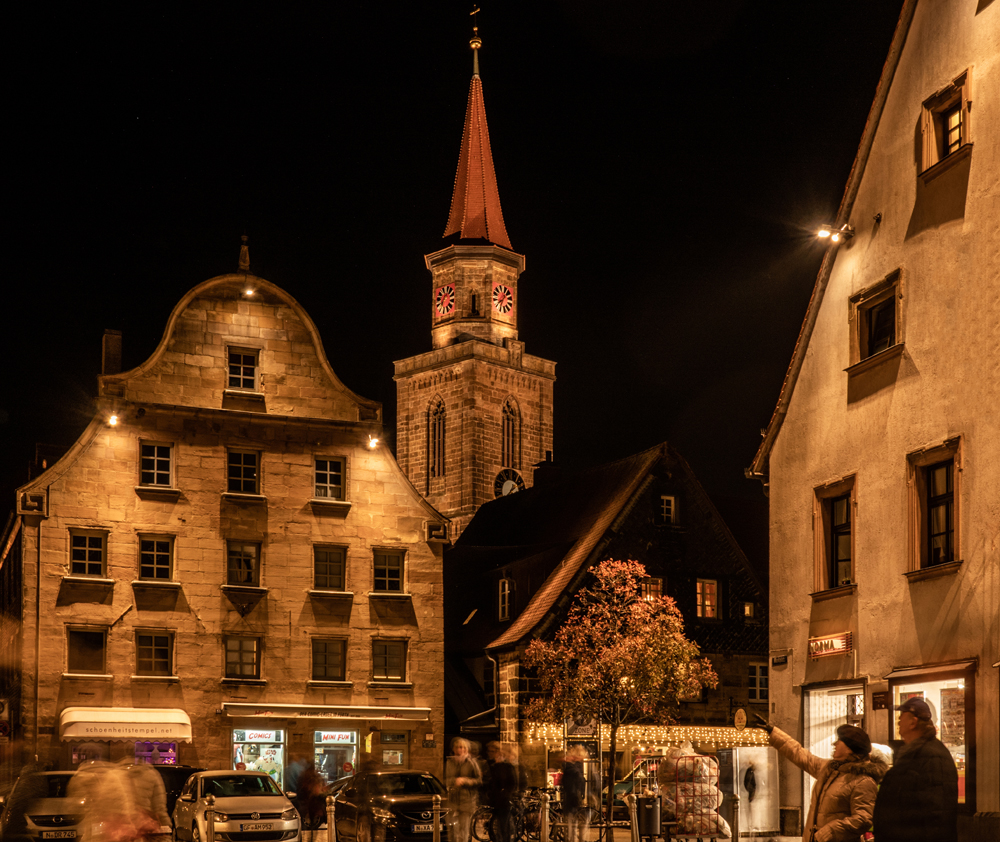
227,566
882,459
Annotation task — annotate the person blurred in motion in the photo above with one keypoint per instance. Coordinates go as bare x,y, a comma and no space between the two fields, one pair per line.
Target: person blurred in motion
311,799
843,796
463,779
500,789
122,802
575,799
30,787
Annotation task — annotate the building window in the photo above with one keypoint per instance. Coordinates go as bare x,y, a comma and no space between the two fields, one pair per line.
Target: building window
504,598
85,651
155,462
435,439
330,478
242,657
154,653
156,558
934,480
329,566
945,121
389,660
242,563
757,683
243,369
242,474
876,313
388,571
834,508
88,553
511,442
749,610
329,658
667,512
940,512
651,588
708,598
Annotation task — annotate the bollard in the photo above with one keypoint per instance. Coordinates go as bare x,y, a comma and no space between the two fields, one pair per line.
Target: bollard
436,818
210,819
331,832
736,814
543,828
633,816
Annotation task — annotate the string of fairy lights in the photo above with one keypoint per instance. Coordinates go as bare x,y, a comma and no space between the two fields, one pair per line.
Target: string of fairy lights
655,736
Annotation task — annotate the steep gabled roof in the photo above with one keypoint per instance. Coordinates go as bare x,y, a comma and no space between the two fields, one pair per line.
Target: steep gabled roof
759,467
475,203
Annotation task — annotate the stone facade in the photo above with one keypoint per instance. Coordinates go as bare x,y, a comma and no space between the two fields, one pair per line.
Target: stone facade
238,562
866,424
478,366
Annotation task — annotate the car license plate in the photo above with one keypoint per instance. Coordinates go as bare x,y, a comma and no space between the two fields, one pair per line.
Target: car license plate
257,826
425,828
58,834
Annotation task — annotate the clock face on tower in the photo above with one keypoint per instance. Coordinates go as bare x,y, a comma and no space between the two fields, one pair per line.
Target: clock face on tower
507,482
503,298
444,300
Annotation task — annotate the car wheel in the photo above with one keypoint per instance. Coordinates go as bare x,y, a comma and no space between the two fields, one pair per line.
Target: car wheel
195,833
365,829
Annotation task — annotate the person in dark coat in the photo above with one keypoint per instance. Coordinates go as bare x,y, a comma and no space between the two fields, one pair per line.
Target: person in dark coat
500,787
918,799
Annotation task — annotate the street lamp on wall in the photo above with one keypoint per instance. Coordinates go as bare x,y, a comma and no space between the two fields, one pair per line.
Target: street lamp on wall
834,234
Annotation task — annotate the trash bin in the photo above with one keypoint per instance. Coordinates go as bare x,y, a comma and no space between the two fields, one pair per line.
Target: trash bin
648,815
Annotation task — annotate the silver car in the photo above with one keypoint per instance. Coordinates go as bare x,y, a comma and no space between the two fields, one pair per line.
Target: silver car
38,808
249,807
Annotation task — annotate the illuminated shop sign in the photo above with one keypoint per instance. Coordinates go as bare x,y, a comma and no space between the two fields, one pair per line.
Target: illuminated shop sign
334,737
834,644
248,736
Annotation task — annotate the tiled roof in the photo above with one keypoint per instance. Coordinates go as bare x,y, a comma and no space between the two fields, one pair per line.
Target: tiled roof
475,204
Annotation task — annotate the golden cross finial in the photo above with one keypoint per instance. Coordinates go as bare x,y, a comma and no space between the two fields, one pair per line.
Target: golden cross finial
475,43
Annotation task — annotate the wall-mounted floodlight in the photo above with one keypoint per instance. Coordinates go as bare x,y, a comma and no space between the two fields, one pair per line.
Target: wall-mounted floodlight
372,443
113,421
835,235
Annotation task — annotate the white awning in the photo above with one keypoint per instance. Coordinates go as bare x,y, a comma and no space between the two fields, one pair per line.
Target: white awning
906,672
326,711
79,723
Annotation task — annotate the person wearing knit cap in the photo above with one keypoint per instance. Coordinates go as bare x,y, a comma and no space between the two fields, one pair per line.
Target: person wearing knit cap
918,801
846,784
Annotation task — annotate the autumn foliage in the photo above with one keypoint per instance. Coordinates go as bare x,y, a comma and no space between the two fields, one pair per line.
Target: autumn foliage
617,657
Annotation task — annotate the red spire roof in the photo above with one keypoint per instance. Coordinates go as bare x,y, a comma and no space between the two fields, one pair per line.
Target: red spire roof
475,204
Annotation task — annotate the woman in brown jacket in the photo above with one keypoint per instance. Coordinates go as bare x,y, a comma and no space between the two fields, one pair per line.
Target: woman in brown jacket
843,796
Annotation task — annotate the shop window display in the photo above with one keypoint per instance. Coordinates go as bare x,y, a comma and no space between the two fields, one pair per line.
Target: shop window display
260,751
156,753
335,753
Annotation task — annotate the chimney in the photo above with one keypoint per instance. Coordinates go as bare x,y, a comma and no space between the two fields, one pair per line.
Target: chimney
111,352
546,472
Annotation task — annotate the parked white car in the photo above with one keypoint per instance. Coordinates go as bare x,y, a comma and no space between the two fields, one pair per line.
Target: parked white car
249,807
39,808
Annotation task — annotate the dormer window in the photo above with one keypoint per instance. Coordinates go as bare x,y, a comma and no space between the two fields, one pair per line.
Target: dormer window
243,370
667,512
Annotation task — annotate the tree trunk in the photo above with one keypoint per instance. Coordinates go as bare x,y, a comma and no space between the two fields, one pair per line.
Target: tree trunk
612,766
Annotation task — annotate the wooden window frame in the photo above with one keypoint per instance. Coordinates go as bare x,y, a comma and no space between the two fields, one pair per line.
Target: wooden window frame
154,634
823,530
231,545
916,464
388,552
238,478
148,476
957,94
322,490
505,598
326,641
754,682
258,653
156,552
103,632
389,642
343,575
667,501
241,375
701,603
861,305
89,535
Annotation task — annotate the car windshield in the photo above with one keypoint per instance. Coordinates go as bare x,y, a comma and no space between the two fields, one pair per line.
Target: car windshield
56,785
236,786
406,785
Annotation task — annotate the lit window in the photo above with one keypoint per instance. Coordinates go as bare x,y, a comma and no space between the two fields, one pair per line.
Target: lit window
953,129
940,512
934,476
388,571
749,610
329,659
329,568
155,558
242,563
667,512
945,122
511,443
242,657
153,653
651,588
242,369
241,472
504,598
330,478
155,462
707,593
88,553
389,660
85,651
435,439
757,683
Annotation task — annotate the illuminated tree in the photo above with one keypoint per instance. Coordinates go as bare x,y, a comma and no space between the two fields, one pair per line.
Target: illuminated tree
618,657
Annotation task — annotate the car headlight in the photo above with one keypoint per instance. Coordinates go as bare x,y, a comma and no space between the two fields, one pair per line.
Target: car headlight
220,817
289,815
383,815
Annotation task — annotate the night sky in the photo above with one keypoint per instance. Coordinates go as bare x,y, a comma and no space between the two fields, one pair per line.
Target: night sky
661,165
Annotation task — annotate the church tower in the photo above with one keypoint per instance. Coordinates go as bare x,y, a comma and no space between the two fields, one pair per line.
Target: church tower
474,415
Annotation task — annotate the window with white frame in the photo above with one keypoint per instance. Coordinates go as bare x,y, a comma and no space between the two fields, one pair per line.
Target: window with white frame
156,557
243,370
505,589
667,512
88,552
389,660
156,464
757,682
330,475
707,594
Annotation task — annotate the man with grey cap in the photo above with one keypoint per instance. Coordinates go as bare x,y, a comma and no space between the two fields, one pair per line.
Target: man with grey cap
918,800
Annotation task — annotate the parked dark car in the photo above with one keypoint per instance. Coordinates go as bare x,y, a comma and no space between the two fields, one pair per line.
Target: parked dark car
389,807
173,779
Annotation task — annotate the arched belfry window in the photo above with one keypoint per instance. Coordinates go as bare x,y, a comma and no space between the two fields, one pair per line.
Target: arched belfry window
510,447
435,438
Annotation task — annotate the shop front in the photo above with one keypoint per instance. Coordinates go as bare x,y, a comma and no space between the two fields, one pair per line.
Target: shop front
144,735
